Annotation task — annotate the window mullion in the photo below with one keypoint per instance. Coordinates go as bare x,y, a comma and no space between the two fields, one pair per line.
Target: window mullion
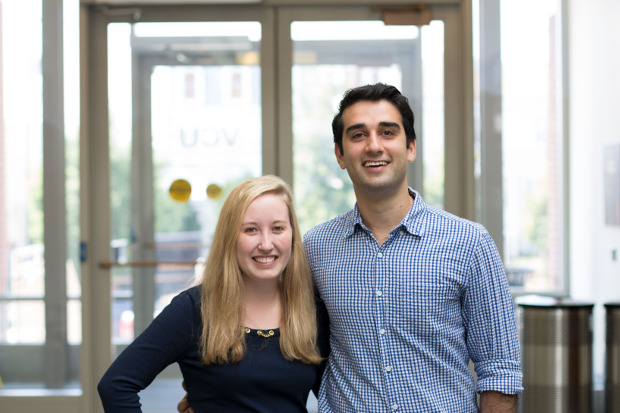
55,356
491,184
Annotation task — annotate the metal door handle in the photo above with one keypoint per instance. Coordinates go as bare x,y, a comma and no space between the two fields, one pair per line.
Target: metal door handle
110,264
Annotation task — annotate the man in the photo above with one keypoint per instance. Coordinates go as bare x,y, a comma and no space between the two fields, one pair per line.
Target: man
413,293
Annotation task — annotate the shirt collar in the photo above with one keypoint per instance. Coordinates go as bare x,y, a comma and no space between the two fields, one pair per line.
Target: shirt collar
412,222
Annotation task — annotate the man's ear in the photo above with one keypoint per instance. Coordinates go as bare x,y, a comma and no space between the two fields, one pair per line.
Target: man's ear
339,156
411,151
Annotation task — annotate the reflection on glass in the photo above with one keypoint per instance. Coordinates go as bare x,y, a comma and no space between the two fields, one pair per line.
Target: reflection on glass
198,136
532,246
205,115
205,121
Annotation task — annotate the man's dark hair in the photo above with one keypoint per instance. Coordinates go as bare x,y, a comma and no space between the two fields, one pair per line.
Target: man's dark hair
374,93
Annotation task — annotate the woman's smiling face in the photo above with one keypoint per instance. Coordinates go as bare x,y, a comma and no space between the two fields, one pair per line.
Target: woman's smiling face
265,240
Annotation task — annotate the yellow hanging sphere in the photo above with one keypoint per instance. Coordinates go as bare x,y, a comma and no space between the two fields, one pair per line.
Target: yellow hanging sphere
214,191
180,190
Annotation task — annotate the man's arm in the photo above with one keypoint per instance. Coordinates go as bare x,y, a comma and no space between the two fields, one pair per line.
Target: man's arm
183,406
496,402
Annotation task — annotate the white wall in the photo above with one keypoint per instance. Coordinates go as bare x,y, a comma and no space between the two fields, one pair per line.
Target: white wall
594,122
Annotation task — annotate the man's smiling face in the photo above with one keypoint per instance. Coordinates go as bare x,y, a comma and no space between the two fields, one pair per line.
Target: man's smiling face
375,152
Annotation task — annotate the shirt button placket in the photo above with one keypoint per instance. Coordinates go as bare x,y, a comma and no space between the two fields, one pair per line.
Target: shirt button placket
379,292
382,333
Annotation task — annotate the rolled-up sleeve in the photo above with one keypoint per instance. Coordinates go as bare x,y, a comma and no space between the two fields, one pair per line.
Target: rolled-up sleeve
492,336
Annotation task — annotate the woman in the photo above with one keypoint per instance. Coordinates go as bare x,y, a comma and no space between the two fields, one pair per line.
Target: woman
246,338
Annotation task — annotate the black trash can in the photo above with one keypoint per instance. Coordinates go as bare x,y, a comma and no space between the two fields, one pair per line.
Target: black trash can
556,351
612,358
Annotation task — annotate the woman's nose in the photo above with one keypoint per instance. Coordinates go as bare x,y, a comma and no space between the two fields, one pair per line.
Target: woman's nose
265,242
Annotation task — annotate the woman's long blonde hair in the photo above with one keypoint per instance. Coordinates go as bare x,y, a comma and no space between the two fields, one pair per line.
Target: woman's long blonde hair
222,340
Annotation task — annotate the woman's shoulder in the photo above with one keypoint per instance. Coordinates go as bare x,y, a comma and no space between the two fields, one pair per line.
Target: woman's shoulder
193,293
188,299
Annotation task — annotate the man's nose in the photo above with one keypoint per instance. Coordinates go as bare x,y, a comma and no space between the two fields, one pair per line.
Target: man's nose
373,143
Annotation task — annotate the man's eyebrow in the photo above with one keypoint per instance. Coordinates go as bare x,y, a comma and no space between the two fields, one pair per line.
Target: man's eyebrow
383,124
387,124
355,127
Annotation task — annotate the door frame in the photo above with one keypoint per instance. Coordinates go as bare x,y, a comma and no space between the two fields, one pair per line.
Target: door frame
95,222
276,63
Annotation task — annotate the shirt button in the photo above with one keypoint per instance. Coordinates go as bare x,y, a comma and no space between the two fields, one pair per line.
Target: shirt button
382,331
379,293
380,255
388,368
394,407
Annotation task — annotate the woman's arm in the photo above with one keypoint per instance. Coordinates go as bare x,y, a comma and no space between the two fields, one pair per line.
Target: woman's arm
164,341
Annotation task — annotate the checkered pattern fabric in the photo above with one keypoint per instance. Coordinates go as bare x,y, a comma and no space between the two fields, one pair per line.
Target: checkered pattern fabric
408,315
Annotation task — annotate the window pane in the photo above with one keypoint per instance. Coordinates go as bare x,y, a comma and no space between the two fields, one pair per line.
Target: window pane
21,162
71,67
122,322
334,57
27,340
74,322
120,100
434,113
22,269
531,146
24,322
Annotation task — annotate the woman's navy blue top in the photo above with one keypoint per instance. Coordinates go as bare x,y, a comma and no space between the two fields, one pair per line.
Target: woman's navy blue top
264,381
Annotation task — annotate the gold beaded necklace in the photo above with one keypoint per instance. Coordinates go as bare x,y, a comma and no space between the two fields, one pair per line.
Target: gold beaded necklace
261,333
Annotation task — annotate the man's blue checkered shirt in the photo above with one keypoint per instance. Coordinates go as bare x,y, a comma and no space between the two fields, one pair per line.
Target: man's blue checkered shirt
407,316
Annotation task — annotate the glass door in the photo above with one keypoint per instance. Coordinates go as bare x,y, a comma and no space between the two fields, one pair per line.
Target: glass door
185,112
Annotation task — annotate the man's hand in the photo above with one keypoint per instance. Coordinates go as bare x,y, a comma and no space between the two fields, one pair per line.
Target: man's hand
183,406
496,402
